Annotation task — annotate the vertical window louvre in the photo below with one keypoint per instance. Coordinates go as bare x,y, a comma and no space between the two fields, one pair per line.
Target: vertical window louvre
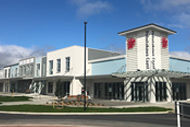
20,71
5,73
9,73
67,64
58,65
12,73
16,71
51,67
38,70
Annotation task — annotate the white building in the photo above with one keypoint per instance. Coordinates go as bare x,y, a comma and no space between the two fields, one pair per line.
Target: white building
146,73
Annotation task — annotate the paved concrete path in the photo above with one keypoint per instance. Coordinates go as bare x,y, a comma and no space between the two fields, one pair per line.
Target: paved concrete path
43,99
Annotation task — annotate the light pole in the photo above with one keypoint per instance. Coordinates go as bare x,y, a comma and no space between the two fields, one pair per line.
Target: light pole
85,65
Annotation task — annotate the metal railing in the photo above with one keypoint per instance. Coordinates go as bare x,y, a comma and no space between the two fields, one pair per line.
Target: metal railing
182,109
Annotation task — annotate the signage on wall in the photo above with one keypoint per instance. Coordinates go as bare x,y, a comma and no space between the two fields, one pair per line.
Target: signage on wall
150,56
153,52
164,42
130,43
147,51
27,61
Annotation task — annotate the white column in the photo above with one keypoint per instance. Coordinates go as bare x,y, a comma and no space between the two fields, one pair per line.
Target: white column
3,86
169,89
127,90
188,90
152,93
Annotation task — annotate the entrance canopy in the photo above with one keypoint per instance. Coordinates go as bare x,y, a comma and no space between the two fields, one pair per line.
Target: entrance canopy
151,73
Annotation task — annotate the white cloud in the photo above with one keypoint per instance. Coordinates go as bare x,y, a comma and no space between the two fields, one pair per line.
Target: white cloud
10,54
181,54
87,8
1,74
178,10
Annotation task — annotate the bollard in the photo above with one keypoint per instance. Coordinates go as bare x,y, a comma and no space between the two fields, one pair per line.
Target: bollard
62,102
54,102
178,114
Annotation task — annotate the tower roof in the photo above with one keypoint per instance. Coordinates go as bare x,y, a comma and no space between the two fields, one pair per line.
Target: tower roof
148,26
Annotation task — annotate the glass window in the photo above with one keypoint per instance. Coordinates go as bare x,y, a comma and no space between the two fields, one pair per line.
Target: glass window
16,71
66,88
67,64
24,70
50,87
179,91
21,71
38,69
58,65
44,69
51,67
112,90
161,91
5,73
12,72
9,73
139,91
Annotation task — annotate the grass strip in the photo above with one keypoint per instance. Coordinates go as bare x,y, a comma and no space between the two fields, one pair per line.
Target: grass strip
14,98
46,108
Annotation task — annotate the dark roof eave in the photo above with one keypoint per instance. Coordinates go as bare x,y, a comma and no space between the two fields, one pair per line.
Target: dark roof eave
54,77
172,31
95,76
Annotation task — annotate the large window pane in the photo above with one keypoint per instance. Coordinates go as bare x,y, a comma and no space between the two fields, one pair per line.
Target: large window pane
179,91
58,65
161,91
50,87
51,67
67,64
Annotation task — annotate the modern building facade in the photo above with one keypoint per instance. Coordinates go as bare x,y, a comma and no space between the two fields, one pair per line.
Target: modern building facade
146,73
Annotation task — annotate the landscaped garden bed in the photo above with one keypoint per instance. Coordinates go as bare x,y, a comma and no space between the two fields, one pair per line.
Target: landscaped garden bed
47,108
73,103
14,98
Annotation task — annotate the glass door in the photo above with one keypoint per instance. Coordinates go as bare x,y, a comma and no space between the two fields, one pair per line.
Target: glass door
139,91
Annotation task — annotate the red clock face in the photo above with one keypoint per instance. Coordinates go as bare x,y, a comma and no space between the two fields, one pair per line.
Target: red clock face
164,42
130,43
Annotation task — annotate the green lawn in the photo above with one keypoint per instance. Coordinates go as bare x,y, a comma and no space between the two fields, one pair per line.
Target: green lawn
15,98
46,108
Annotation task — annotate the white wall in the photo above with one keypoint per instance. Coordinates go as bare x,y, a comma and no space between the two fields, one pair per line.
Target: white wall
7,75
76,54
158,57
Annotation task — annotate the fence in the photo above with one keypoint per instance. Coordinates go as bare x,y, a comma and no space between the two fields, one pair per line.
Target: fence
182,109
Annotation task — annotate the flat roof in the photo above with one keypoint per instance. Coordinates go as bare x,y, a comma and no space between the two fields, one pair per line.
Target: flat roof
151,25
11,65
107,58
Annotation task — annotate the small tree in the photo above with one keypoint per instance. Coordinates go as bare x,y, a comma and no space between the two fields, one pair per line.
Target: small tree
58,90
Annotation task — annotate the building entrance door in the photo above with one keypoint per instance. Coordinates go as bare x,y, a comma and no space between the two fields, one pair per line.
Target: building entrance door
139,91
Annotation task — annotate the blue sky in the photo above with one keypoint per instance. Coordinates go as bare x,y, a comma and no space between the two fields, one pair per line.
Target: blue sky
33,27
